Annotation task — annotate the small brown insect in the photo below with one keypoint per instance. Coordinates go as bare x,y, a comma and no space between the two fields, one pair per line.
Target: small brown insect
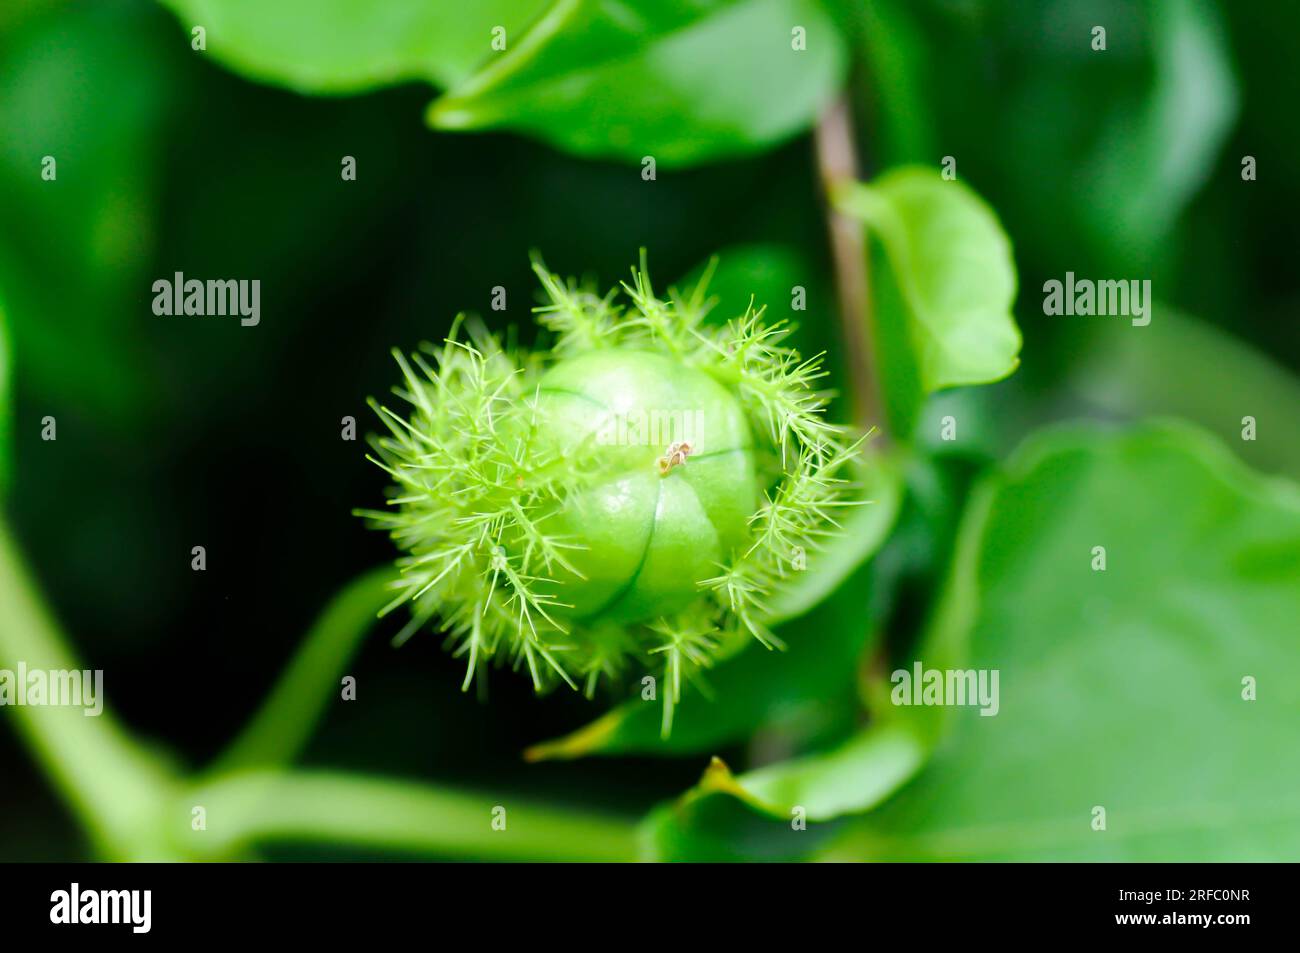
677,453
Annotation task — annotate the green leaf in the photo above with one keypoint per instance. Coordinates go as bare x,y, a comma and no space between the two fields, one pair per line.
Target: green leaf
683,81
825,632
752,816
349,46
761,273
790,286
943,304
1122,688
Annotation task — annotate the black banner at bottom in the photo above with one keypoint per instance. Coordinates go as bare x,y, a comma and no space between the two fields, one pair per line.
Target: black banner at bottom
334,902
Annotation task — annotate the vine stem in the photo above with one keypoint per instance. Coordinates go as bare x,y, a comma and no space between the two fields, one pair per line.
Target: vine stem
324,807
113,785
837,166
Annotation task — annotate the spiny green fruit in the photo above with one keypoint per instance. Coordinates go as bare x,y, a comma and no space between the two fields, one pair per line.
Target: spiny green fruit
655,523
624,499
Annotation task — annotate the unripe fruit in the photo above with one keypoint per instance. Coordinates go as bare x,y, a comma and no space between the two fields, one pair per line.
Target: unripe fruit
652,528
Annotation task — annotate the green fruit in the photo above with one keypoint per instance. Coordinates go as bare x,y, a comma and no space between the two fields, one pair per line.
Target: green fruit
650,528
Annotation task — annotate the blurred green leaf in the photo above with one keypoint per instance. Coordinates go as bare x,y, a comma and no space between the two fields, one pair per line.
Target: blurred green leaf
761,273
82,90
664,78
348,46
943,307
898,60
683,81
1149,162
1120,688
1179,366
1115,142
756,816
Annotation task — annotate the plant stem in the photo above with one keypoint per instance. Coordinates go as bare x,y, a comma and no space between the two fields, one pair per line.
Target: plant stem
114,787
837,164
319,807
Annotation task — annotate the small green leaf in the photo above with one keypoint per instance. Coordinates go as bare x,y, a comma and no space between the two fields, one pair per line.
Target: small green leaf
785,810
1162,689
682,81
349,46
943,305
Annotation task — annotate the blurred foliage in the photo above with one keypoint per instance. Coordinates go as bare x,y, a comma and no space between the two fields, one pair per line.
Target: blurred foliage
1124,163
1121,689
627,79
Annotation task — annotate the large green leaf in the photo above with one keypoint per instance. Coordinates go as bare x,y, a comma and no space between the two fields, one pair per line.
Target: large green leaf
348,46
682,81
1120,689
943,303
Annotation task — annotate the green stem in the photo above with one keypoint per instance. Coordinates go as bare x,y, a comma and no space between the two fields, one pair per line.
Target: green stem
273,807
113,785
286,720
